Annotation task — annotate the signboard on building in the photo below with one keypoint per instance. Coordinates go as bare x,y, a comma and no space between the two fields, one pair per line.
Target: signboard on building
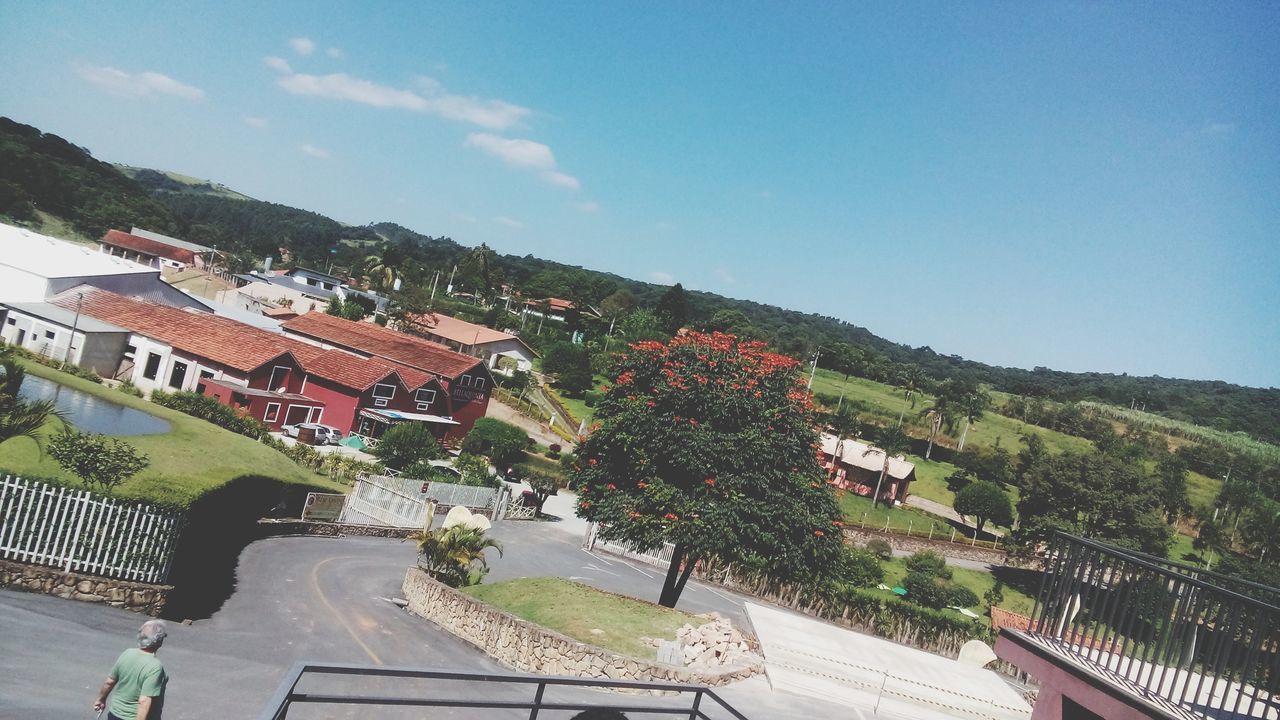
323,507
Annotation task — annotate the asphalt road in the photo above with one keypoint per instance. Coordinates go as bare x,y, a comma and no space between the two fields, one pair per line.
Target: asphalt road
314,599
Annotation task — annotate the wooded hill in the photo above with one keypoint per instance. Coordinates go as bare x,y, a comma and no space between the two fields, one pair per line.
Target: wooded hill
43,172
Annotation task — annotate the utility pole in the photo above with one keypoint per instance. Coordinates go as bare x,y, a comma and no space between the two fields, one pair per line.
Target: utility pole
434,280
449,289
74,325
814,368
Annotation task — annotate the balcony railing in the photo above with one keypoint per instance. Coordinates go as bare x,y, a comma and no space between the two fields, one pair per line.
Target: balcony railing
1191,642
325,690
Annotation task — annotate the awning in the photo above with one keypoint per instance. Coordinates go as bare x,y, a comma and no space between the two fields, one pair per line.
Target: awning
390,416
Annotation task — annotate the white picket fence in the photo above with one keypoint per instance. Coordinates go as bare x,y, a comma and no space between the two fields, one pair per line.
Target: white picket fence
402,502
661,557
82,531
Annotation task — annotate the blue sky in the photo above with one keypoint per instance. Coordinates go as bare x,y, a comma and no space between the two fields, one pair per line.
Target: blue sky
1080,186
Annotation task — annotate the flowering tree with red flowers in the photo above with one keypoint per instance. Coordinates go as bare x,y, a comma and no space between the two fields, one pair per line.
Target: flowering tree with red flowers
710,444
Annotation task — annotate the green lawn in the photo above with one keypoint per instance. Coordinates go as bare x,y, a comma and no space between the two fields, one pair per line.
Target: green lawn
1015,599
858,512
575,610
887,402
194,457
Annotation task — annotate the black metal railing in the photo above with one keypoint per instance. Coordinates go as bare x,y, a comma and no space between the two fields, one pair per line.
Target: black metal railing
1193,642
327,690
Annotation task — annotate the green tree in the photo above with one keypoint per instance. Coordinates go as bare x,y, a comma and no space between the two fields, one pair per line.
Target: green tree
570,364
972,405
985,501
708,444
642,325
503,442
100,461
351,310
1260,530
1033,453
479,271
912,381
404,444
894,443
1093,495
20,418
1171,472
543,484
454,555
380,271
475,471
673,309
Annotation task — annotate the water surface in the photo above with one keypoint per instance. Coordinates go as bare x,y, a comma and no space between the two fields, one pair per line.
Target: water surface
89,413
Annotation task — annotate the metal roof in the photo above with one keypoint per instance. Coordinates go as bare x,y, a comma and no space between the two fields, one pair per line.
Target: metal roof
50,257
65,317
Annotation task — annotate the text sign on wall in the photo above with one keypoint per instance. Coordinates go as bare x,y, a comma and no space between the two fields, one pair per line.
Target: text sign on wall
323,507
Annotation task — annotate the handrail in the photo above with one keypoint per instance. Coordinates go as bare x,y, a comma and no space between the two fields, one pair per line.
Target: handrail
287,692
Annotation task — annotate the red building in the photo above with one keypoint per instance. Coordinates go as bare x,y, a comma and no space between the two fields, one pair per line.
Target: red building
275,409
462,384
856,467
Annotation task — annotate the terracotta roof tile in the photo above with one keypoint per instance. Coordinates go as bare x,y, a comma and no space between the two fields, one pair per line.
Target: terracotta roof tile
348,370
461,331
388,344
147,246
219,339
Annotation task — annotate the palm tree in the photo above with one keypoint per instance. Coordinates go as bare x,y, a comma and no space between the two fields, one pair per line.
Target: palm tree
454,555
845,424
379,273
19,418
937,414
912,381
972,406
892,442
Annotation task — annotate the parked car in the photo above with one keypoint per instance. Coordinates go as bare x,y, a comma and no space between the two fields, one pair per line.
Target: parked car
325,435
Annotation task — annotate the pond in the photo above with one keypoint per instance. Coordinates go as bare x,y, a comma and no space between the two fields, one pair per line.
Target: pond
89,413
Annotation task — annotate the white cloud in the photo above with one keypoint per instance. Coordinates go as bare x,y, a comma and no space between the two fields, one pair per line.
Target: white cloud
314,151
278,64
465,217
119,82
335,53
587,207
433,99
724,276
303,46
509,222
515,152
662,278
258,122
558,178
524,154
1218,128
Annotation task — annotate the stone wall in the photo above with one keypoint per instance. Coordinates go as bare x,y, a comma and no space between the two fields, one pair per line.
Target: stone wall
136,596
273,528
904,543
524,646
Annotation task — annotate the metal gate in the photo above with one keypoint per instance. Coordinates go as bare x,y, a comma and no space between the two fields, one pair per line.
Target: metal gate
403,502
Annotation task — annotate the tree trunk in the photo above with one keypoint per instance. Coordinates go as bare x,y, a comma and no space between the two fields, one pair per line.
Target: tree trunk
671,586
960,446
875,497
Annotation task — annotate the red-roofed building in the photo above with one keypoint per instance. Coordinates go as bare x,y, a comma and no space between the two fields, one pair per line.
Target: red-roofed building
147,251
464,380
555,307
501,351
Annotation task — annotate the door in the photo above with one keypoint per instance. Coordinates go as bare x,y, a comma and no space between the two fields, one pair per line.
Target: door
22,335
296,414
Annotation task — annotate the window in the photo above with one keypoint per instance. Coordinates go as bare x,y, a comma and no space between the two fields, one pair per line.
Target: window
479,383
273,410
130,351
386,392
465,381
11,321
153,366
178,374
426,396
48,334
206,374
316,413
279,375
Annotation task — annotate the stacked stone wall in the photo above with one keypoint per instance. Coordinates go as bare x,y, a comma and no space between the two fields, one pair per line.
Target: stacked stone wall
524,646
139,597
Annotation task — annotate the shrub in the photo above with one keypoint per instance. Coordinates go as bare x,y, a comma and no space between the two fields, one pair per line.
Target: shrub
995,595
209,409
129,388
961,596
930,563
475,471
927,590
591,397
880,548
97,459
987,502
544,485
407,443
859,567
503,442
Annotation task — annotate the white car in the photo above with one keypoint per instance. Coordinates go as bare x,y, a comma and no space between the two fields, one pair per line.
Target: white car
325,435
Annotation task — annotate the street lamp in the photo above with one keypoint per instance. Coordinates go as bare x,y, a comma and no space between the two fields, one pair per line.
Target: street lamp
74,324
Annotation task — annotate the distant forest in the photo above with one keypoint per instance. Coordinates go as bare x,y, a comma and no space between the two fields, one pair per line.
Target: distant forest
39,171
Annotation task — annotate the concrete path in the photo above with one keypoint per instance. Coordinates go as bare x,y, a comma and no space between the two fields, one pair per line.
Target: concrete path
943,511
813,658
506,413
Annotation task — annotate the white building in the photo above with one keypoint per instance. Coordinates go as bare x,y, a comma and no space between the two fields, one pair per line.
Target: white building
34,267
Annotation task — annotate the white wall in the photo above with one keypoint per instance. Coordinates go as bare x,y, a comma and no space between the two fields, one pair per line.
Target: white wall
21,286
508,348
36,337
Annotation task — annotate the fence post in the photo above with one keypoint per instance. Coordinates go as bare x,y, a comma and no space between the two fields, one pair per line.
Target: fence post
931,524
953,535
864,521
909,522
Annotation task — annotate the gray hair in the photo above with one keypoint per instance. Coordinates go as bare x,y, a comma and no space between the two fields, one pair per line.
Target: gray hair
152,634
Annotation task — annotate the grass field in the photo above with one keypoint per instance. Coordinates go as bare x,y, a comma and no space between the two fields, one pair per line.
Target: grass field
576,610
888,402
858,512
193,457
1015,599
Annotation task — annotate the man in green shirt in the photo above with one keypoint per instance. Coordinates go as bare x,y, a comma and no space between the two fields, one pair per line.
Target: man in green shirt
138,678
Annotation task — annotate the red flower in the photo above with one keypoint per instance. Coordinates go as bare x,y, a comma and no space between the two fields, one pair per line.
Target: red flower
584,504
591,461
642,484
611,486
838,523
710,482
671,516
818,533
